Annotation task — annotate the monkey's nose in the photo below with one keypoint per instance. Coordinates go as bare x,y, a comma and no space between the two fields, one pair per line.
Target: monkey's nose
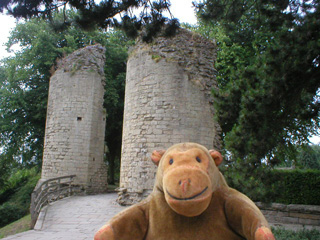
184,184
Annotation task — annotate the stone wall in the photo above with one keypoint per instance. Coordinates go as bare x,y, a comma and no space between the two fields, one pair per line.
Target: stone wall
75,125
296,216
167,101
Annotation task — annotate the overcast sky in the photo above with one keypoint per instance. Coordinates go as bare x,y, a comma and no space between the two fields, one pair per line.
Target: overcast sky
181,9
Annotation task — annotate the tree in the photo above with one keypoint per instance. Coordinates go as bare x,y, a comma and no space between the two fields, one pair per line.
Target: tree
308,157
103,14
114,99
266,49
24,81
268,75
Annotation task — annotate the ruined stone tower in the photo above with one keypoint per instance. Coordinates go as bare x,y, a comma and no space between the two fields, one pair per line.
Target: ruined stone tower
75,126
167,101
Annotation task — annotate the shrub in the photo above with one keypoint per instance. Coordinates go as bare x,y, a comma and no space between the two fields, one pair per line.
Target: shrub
281,234
16,181
23,193
282,186
255,184
16,196
295,186
10,212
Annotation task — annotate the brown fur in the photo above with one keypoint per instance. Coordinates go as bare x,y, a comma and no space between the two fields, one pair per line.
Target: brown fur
190,200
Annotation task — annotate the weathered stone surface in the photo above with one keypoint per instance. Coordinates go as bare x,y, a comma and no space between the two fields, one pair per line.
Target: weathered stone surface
304,208
272,206
277,213
167,100
305,215
75,126
308,221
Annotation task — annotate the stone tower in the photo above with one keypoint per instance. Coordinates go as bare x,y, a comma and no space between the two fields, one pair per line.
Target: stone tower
167,101
75,126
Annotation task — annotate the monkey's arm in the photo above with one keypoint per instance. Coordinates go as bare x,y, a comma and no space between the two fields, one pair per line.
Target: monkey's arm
245,217
130,224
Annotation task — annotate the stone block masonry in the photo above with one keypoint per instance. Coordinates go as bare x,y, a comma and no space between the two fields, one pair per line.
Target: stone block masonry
167,101
75,125
294,214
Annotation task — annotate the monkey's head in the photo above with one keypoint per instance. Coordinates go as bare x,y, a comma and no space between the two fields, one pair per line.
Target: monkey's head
187,175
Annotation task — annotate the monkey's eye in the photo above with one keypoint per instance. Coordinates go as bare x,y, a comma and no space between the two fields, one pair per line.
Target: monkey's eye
171,161
198,159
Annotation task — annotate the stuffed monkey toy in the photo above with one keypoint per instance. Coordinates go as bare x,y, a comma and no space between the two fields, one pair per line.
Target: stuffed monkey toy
190,200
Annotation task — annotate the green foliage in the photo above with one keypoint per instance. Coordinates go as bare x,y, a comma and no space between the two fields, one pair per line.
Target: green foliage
309,157
24,81
102,14
10,212
16,196
268,77
113,171
295,186
21,181
115,72
304,234
306,157
246,181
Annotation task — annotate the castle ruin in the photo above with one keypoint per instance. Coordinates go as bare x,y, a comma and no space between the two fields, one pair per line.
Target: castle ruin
167,100
75,125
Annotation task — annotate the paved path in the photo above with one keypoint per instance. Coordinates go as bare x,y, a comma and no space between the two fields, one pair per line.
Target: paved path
79,217
73,218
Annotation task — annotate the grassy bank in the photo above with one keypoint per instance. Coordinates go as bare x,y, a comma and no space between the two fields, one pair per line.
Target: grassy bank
18,226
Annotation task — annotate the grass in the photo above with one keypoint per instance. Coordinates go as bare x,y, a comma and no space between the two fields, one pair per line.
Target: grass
21,225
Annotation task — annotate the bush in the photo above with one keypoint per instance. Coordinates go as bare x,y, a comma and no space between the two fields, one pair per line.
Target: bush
10,212
16,181
281,234
281,186
295,186
23,193
255,183
17,195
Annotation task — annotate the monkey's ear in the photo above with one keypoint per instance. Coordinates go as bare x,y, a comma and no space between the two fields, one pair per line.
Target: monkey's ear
156,156
217,157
